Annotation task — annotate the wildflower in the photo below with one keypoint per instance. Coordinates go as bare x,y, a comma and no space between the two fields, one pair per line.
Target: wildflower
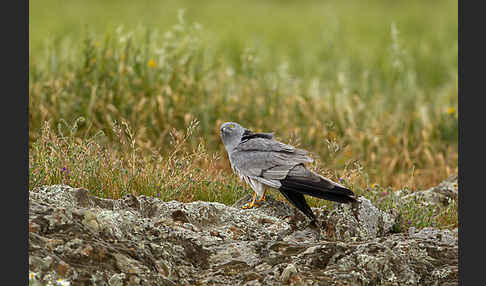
341,180
31,275
63,282
151,63
451,110
409,222
374,186
384,193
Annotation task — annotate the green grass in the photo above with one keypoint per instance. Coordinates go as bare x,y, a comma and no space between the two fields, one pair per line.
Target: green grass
369,87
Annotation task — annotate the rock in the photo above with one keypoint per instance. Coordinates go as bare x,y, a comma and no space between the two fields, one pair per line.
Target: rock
271,207
288,272
443,236
117,279
91,221
359,222
441,195
145,241
62,268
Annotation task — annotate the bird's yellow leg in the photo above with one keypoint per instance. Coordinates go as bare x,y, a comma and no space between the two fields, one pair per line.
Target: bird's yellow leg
262,198
251,204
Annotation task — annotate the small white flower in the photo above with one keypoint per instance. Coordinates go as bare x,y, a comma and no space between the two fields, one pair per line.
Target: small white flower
63,282
32,275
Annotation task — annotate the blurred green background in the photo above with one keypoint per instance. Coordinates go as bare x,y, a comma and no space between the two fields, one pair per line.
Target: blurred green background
309,34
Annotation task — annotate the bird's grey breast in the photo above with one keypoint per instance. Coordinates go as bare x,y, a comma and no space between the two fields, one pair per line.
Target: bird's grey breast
247,160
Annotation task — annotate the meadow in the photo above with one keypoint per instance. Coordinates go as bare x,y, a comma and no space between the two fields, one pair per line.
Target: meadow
128,96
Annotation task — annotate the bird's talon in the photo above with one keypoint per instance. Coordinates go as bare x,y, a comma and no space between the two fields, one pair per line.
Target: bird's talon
250,205
247,206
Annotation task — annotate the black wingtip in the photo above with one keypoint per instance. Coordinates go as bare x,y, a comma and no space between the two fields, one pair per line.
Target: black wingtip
316,189
344,191
298,200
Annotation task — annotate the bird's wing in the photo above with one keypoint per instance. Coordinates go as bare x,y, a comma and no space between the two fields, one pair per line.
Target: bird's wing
265,142
266,160
298,200
280,165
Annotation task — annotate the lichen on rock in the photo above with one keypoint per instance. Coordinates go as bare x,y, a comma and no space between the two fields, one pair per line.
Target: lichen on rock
145,241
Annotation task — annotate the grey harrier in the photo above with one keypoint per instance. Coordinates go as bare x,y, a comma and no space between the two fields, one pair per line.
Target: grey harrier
263,162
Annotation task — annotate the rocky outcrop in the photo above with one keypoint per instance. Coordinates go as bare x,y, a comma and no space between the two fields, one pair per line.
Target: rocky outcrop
438,196
142,240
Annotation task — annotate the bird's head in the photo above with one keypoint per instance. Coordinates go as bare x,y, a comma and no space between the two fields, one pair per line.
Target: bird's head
231,134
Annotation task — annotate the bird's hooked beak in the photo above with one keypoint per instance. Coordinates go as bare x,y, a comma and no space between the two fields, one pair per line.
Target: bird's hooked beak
225,128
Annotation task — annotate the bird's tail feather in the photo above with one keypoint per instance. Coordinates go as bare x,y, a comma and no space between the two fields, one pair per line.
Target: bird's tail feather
320,189
298,200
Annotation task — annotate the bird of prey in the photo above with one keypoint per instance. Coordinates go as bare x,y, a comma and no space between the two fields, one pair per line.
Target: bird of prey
263,162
